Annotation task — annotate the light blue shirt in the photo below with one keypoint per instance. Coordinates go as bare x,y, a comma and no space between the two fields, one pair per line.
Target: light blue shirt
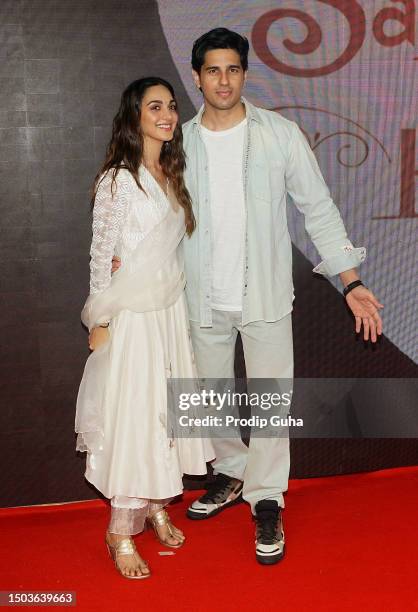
277,161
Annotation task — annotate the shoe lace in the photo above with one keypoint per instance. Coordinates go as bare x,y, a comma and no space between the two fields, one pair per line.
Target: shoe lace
218,490
267,526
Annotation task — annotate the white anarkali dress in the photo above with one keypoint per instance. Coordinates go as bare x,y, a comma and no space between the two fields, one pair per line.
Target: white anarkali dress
122,403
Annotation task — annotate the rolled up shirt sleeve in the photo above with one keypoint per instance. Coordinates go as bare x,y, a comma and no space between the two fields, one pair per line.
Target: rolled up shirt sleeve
310,194
350,257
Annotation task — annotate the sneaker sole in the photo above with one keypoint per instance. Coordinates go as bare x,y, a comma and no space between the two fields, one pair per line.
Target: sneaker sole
198,516
270,559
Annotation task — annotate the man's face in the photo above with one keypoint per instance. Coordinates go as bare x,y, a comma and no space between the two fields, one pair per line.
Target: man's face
221,78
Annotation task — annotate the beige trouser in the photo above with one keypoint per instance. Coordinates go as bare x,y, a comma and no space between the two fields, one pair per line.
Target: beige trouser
128,514
268,353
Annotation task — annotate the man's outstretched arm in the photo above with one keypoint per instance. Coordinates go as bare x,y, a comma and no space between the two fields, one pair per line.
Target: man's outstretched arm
364,306
305,184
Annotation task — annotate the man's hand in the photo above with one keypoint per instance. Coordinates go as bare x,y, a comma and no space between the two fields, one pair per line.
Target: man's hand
97,337
116,264
365,309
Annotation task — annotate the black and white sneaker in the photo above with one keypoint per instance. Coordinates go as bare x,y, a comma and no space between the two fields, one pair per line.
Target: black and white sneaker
222,493
269,542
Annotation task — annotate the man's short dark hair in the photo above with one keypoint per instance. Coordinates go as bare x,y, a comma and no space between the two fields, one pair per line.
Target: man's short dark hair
219,38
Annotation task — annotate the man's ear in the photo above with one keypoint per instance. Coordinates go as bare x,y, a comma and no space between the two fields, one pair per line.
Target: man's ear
196,78
245,76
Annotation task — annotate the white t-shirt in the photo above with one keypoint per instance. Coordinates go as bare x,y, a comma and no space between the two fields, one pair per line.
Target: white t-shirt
225,152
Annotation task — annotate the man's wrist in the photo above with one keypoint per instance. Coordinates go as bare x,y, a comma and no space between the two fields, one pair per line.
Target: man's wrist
351,286
349,276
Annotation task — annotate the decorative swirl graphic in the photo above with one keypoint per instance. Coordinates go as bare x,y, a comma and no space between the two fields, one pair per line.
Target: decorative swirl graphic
317,140
352,11
407,20
346,146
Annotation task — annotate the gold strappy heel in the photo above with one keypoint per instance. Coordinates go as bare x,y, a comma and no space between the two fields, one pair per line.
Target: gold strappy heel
124,547
160,519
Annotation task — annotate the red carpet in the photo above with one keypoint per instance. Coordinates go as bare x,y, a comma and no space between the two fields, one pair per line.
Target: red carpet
352,545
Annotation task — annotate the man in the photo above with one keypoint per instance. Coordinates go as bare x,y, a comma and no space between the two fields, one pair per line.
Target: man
241,163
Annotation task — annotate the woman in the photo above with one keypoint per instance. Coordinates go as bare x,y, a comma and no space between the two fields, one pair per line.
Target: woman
138,324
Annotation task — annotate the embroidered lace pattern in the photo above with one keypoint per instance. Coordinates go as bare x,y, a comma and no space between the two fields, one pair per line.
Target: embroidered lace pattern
121,220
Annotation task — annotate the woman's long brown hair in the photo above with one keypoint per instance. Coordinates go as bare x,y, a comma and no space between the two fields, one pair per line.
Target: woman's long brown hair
126,147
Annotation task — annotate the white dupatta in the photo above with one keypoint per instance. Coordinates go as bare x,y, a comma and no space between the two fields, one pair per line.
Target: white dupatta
153,279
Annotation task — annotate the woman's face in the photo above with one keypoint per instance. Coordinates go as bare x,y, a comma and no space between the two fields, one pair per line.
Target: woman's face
158,114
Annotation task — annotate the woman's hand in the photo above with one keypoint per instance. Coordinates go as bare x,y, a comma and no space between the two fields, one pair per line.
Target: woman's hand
116,264
365,309
97,337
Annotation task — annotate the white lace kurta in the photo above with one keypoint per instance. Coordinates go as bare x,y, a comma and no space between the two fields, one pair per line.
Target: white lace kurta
121,222
137,457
